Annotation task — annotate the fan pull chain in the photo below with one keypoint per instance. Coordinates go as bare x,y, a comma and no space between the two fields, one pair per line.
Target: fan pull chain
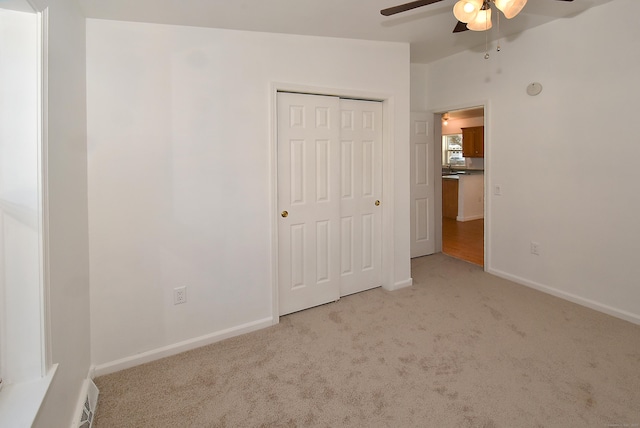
498,48
486,45
487,3
486,34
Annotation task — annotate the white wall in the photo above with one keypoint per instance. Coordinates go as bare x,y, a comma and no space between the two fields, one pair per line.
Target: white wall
419,81
68,229
180,127
568,178
454,126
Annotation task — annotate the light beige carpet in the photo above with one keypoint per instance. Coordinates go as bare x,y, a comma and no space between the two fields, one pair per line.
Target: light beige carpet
460,348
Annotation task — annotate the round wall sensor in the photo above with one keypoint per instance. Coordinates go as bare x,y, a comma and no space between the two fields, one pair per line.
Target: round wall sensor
534,88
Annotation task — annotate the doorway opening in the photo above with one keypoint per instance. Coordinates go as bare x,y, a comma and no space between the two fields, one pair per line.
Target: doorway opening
462,170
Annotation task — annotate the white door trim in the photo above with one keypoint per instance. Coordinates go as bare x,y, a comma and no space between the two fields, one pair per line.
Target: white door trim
388,107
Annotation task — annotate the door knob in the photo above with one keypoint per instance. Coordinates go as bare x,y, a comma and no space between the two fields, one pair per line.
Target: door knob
284,214
377,203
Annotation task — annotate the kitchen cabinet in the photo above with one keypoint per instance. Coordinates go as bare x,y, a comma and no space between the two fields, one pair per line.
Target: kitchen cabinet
473,142
450,197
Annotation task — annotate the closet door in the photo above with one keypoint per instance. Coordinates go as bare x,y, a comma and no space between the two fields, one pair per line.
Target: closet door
308,201
360,195
329,199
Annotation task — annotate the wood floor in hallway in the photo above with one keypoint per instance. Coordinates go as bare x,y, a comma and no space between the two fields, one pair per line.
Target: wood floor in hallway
464,240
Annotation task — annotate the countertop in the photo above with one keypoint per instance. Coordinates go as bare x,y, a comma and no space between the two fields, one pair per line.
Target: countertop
457,173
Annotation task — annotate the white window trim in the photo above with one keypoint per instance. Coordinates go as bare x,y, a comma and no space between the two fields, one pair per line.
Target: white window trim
21,402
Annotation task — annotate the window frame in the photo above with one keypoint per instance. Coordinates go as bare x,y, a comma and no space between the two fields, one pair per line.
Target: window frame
21,399
446,151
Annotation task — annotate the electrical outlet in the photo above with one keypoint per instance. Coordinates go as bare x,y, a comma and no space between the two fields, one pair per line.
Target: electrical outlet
179,295
535,248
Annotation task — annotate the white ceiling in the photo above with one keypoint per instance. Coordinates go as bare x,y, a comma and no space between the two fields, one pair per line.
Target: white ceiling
428,28
17,5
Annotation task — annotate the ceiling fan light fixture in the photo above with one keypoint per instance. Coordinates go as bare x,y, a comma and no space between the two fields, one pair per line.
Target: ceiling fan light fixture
466,10
482,21
510,8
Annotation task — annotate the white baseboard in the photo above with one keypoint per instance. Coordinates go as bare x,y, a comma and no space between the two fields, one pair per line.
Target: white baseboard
614,312
176,348
469,218
400,284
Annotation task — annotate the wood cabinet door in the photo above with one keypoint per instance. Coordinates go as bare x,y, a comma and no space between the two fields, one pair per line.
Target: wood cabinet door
473,142
449,198
468,142
478,142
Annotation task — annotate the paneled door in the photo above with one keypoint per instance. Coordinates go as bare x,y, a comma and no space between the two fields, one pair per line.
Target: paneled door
360,195
329,180
308,201
422,186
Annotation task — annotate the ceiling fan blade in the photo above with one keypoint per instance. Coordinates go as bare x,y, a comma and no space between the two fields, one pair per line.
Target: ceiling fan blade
460,27
408,6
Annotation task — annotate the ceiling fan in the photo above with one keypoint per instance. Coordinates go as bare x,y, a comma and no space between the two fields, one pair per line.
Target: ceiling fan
471,14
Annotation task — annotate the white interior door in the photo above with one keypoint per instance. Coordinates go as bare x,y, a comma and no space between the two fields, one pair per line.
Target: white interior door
360,195
422,185
329,180
308,201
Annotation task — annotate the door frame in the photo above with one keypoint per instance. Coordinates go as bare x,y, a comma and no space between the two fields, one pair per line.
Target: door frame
388,182
437,169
